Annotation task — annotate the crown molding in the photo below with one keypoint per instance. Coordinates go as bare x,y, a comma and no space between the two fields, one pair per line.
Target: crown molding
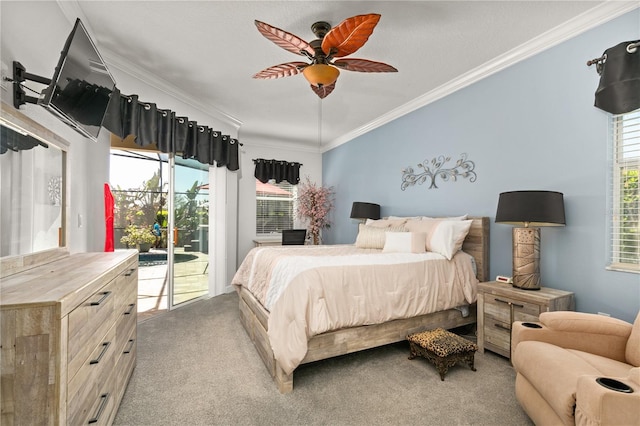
272,142
73,10
592,18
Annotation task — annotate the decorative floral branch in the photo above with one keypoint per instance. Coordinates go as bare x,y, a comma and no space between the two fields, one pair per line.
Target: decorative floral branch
463,168
314,204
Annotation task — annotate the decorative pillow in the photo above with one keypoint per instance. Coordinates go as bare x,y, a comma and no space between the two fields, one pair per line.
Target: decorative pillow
463,217
442,236
385,223
373,237
404,217
404,242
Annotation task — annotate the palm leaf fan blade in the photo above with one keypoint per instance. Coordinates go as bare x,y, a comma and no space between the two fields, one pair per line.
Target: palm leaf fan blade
282,70
363,65
350,35
284,39
323,91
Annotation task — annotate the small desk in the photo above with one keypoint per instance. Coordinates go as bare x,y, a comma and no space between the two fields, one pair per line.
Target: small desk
267,241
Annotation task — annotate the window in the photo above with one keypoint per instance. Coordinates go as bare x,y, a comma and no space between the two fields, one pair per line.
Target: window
274,206
625,217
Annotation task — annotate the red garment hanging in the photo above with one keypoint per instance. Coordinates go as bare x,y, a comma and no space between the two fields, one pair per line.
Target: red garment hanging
108,218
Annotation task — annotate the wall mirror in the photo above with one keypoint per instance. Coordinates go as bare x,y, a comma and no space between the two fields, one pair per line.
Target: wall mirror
33,192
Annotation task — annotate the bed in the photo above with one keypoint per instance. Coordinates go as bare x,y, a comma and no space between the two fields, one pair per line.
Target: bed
273,322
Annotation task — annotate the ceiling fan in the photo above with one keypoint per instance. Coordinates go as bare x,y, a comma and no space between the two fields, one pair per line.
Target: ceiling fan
338,42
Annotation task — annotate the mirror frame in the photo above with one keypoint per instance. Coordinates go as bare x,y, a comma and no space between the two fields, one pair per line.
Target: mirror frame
10,265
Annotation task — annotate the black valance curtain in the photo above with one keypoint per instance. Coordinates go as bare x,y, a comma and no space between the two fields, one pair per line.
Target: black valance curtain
619,88
278,170
14,141
126,115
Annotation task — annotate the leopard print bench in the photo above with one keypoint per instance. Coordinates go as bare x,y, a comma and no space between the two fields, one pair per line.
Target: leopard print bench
443,348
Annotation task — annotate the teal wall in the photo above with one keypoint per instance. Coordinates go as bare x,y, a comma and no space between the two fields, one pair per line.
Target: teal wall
530,126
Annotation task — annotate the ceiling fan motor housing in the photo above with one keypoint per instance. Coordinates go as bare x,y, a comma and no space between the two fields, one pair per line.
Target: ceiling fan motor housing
320,29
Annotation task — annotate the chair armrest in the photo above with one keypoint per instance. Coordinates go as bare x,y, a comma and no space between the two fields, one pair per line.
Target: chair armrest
597,405
591,333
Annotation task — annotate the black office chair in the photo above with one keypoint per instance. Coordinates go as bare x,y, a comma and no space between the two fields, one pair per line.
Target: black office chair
291,237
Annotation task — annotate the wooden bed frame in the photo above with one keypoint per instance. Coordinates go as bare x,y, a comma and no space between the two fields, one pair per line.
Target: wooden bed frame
254,318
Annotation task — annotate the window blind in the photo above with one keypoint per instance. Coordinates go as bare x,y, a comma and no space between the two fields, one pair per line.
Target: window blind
274,206
625,215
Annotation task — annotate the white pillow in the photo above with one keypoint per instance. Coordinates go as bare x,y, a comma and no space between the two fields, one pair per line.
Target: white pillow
404,242
385,223
373,237
404,217
442,236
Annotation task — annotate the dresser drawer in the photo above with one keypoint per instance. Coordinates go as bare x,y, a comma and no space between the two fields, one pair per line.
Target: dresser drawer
125,327
92,380
499,307
526,314
88,323
126,363
102,409
497,334
126,283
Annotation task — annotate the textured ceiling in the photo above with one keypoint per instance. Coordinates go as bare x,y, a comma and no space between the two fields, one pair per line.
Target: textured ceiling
207,51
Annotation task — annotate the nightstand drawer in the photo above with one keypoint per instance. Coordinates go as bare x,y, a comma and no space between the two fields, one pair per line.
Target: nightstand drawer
499,307
497,333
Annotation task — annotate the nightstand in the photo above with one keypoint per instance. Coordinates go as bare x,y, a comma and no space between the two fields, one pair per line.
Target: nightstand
500,304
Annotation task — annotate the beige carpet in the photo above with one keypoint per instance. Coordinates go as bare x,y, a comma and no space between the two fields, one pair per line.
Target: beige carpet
196,366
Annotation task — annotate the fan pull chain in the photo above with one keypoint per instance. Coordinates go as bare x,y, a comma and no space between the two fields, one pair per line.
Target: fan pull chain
320,123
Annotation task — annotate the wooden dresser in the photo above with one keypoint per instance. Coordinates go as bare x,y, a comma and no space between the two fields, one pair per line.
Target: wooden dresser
500,304
68,334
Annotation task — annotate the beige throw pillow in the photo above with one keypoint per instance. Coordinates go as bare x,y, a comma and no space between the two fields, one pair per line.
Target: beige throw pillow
373,237
385,223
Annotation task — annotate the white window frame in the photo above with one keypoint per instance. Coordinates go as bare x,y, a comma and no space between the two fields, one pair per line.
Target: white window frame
626,157
261,216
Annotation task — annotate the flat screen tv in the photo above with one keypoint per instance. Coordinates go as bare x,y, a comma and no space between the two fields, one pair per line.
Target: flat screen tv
80,88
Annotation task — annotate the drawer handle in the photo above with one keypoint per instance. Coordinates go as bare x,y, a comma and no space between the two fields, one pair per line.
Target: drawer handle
501,327
104,296
130,310
508,303
105,346
128,350
131,271
104,398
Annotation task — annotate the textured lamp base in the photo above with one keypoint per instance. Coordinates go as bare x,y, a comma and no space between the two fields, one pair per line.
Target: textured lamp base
526,258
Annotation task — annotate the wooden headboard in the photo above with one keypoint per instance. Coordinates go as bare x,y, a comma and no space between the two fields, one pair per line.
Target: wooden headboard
477,245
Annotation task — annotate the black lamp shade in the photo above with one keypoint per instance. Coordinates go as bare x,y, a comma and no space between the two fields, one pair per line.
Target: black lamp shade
361,210
535,208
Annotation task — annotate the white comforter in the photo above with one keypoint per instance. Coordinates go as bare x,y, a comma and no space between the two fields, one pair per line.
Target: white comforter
310,290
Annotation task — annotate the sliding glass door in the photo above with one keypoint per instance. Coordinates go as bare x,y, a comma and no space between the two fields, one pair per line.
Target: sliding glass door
190,251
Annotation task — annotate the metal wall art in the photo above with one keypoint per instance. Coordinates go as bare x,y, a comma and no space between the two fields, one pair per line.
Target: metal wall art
435,168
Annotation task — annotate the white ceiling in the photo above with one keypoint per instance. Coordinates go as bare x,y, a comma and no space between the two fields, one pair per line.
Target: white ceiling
208,51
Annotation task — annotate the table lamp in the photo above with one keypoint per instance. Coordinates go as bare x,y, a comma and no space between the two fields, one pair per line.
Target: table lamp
364,211
531,209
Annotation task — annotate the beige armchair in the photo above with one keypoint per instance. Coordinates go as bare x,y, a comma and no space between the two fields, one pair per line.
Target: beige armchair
578,368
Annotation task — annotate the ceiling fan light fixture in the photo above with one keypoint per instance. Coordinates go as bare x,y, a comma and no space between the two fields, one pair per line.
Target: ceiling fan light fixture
321,74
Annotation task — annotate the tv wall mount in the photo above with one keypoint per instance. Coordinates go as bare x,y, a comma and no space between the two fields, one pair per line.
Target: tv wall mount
21,75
